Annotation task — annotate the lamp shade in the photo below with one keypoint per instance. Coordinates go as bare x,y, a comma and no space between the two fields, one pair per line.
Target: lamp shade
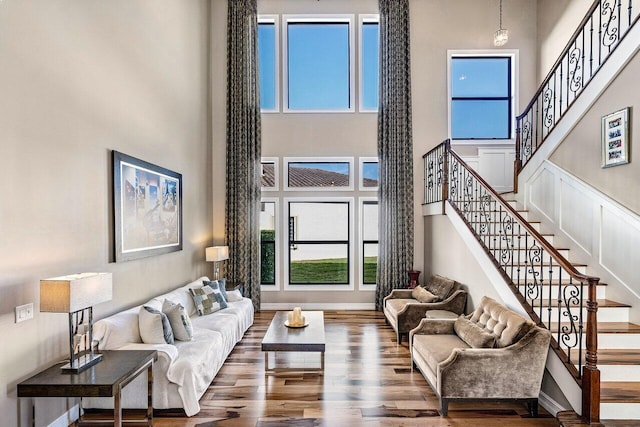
217,253
68,294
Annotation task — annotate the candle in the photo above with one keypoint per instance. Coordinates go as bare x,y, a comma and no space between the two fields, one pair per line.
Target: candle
297,316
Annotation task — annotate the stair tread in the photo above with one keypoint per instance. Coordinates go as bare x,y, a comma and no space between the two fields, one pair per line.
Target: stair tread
618,356
619,392
601,303
610,327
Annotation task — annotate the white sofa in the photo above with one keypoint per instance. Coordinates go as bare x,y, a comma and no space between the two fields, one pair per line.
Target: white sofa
183,371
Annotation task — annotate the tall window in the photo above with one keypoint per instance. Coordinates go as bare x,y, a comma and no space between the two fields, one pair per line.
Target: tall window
481,96
318,62
369,238
369,62
319,239
268,62
268,242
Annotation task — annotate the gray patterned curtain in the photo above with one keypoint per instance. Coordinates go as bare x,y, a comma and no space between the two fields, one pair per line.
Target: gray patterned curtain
243,148
395,150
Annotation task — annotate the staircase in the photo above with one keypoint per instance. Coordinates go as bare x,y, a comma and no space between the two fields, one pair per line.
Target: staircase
618,342
592,335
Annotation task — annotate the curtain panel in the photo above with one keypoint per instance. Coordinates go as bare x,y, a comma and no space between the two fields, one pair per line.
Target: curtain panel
243,148
395,151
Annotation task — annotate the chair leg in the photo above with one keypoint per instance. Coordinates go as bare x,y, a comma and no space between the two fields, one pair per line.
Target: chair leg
444,407
399,337
532,406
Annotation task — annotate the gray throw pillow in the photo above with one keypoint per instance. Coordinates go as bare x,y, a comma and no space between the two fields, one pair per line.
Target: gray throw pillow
154,326
179,320
473,334
423,295
219,285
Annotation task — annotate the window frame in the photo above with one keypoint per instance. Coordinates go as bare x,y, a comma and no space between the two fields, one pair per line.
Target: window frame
275,20
361,242
277,237
287,160
513,77
362,21
276,173
317,19
361,162
350,246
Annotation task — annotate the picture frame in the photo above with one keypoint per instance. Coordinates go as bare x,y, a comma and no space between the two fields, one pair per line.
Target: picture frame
147,201
615,138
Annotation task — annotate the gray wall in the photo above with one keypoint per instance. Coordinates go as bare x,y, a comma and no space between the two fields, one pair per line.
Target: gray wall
79,79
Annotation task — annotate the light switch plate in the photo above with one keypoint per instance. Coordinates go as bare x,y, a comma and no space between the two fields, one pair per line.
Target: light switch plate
24,312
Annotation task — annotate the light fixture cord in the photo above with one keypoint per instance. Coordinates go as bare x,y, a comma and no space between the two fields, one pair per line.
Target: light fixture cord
500,14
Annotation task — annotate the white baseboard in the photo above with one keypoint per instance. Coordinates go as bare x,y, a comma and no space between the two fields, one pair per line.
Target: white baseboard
318,306
550,405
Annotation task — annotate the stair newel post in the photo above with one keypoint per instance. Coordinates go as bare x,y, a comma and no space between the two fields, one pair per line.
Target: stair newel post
517,164
445,174
590,372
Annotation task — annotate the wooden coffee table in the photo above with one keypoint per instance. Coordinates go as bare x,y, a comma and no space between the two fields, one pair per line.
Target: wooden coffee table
282,338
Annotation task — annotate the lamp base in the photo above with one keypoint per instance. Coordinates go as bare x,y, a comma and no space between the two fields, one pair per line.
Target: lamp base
83,362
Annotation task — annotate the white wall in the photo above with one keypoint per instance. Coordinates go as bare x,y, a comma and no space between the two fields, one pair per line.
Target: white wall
77,80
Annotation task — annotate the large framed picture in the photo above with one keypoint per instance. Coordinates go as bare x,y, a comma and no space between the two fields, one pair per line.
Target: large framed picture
615,138
147,201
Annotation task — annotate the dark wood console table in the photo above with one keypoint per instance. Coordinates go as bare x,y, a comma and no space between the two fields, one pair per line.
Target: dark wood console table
105,379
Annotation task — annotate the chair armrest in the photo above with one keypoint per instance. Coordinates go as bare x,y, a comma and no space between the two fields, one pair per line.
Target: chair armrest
512,372
398,294
434,327
455,303
409,316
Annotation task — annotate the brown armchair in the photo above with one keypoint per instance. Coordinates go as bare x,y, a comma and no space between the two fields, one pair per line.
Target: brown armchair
403,312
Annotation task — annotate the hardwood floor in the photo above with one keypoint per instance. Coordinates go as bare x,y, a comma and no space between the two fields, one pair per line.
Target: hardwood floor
367,382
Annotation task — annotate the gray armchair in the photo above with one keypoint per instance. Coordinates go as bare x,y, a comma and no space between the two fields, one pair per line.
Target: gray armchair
403,312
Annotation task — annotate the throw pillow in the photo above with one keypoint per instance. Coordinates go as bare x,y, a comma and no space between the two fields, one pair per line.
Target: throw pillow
473,334
218,285
423,295
234,295
220,300
204,300
440,286
179,320
154,326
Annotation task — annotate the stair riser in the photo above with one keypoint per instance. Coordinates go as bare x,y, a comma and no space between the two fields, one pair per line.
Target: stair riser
619,411
615,342
601,292
605,314
527,273
619,372
494,228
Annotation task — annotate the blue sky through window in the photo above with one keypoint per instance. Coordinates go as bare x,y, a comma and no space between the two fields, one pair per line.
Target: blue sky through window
370,64
370,170
267,65
318,66
480,97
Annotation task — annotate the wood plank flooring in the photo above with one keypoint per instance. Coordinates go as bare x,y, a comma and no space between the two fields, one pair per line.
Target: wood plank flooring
367,382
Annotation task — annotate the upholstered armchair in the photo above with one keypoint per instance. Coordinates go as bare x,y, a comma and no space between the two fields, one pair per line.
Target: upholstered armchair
493,353
403,311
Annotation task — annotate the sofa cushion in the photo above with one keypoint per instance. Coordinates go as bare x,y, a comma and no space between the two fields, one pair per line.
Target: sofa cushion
396,305
154,326
436,348
441,286
234,296
423,295
507,326
179,320
473,334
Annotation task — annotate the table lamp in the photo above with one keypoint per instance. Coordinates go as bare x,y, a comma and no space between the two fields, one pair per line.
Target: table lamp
76,295
216,254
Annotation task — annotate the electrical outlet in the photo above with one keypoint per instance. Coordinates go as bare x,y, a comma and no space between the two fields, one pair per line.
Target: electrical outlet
24,312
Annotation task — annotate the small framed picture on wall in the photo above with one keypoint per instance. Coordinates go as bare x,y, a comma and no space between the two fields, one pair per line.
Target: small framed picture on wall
615,138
